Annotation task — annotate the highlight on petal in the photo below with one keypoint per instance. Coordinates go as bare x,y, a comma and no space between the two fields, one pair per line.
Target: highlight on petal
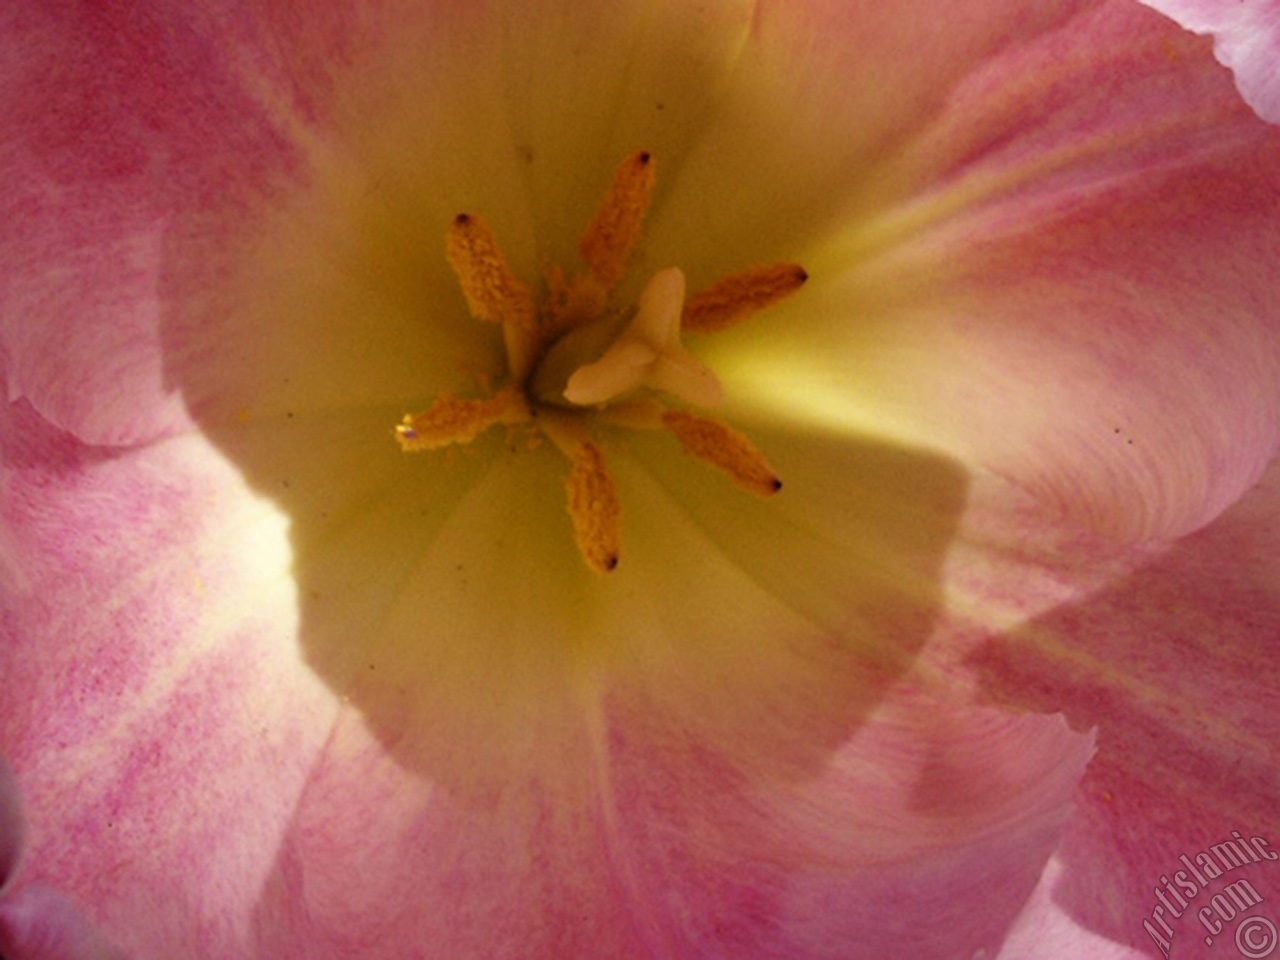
1246,38
1045,930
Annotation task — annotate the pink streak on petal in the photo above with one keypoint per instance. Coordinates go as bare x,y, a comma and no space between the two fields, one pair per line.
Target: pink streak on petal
1178,666
1246,38
39,923
157,710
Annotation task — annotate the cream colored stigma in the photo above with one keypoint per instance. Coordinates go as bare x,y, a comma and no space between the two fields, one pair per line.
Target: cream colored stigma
577,363
648,354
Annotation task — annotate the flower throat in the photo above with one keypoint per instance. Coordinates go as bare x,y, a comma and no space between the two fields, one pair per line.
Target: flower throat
574,364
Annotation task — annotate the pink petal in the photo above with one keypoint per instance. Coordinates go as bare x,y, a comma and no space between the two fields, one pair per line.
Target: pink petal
635,839
1043,931
36,921
1246,38
834,89
1177,667
156,708
1067,277
137,138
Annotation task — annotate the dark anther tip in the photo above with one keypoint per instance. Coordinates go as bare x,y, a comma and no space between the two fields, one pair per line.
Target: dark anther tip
645,157
462,219
776,484
611,563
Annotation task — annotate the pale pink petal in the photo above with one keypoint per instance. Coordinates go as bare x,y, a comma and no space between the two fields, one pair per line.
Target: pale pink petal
1067,277
1246,38
1177,665
157,711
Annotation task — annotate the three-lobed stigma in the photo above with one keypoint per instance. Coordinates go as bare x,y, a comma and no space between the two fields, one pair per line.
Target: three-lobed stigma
575,365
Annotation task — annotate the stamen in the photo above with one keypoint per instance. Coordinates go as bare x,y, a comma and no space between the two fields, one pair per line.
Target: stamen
452,420
613,232
718,444
594,508
732,299
492,290
573,363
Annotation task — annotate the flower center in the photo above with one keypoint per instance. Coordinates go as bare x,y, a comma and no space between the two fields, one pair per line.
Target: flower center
577,364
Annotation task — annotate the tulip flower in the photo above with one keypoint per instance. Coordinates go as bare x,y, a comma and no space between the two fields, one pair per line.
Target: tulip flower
546,479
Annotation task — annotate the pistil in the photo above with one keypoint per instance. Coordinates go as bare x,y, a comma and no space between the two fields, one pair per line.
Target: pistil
649,354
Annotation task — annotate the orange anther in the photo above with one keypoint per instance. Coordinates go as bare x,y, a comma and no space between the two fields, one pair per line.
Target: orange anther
732,299
619,220
718,444
492,290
